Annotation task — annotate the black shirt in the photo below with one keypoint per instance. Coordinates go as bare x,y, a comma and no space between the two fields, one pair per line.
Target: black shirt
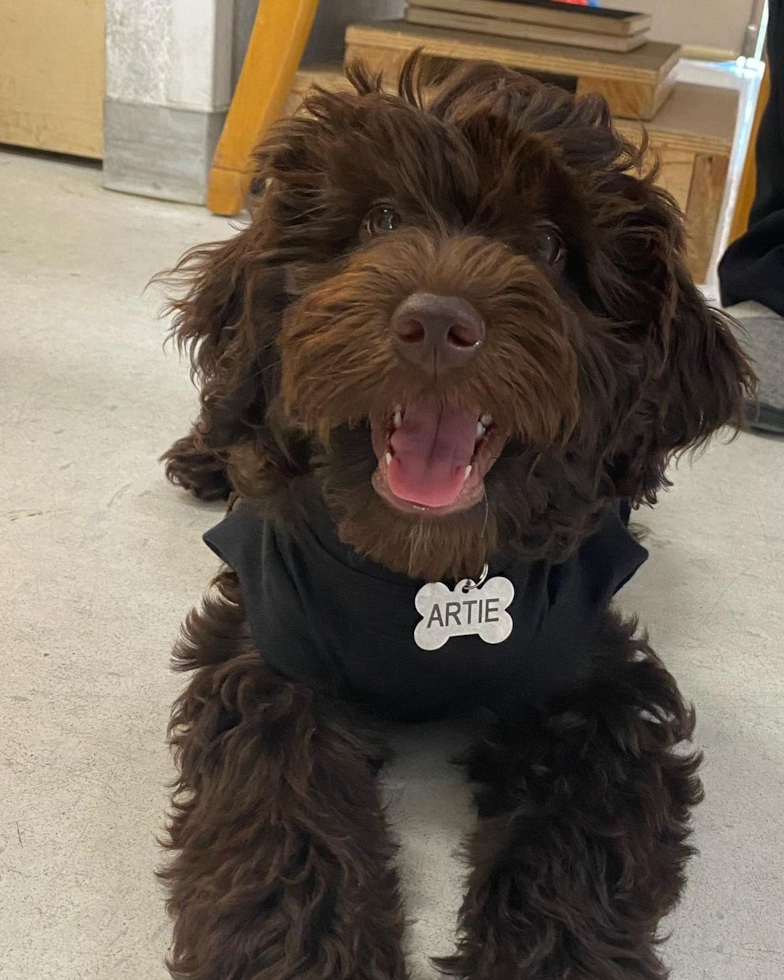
323,615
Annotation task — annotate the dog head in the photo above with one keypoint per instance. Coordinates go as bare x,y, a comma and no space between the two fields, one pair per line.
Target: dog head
464,319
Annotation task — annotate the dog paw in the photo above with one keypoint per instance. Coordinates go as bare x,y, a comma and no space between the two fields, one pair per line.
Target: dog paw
201,473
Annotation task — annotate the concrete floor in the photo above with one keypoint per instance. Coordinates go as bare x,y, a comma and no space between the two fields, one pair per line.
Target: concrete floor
101,559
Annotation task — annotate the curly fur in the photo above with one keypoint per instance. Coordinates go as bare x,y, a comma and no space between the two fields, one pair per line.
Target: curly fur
280,837
600,375
599,371
581,843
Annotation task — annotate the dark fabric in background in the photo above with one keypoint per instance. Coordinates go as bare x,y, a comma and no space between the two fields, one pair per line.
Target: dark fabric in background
753,265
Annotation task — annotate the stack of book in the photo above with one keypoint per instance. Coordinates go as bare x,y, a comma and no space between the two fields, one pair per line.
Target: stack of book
536,20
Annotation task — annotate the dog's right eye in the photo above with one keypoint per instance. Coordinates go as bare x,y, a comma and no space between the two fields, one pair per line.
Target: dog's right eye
549,247
380,220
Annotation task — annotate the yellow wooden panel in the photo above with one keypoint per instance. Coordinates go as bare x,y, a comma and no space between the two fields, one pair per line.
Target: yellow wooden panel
675,173
52,75
702,212
638,100
279,34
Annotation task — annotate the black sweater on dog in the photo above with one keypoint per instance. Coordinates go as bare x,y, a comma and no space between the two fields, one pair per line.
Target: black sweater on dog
323,615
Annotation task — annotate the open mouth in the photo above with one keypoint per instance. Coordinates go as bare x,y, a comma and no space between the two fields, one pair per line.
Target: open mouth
433,458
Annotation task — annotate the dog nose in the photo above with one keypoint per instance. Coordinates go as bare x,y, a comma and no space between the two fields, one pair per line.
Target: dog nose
437,332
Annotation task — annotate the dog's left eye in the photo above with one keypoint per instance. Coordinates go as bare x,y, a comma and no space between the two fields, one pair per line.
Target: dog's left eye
549,247
381,219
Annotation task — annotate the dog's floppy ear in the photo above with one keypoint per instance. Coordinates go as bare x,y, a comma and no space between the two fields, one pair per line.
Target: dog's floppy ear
706,377
225,320
694,379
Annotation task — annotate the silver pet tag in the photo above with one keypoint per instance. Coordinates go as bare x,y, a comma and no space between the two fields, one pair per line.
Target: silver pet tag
470,608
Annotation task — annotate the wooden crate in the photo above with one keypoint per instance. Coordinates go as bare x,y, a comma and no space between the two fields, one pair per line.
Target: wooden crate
635,83
691,136
52,75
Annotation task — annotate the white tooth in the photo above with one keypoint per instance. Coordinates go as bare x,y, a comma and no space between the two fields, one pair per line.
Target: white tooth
397,419
486,420
467,473
480,431
388,458
397,408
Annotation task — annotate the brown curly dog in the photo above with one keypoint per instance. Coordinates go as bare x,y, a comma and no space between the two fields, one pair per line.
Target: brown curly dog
455,342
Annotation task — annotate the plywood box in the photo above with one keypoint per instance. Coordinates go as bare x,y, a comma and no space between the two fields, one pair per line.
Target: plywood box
635,83
52,75
691,136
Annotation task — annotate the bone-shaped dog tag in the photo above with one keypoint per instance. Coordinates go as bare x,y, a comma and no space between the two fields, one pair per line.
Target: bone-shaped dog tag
466,610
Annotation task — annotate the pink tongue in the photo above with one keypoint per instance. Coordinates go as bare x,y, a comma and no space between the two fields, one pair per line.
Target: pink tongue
431,450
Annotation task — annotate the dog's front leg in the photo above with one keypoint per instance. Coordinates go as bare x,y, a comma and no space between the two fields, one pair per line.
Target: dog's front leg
282,864
583,820
192,466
